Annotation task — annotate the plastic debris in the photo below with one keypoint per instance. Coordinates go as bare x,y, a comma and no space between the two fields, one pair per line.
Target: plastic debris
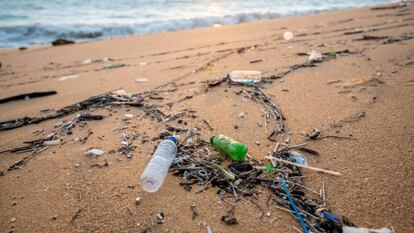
315,134
160,218
129,116
292,202
242,115
94,153
114,65
141,80
348,229
63,78
332,54
315,56
142,63
288,35
228,147
245,77
87,61
52,142
157,169
137,200
217,25
120,92
124,143
209,229
299,158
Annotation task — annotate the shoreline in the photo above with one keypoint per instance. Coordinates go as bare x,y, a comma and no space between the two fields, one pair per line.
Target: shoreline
363,92
81,41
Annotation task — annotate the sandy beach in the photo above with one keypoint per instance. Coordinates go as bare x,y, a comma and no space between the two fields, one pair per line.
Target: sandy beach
363,96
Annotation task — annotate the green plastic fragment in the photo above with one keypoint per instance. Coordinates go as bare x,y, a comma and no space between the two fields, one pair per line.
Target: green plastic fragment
269,167
332,54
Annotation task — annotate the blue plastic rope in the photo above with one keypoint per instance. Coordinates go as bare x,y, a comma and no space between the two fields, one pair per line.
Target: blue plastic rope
285,188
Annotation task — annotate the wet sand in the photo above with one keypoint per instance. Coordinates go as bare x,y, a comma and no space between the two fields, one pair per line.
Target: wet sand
367,95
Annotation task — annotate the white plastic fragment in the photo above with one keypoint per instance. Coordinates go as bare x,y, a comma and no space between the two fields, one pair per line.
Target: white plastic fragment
288,35
52,142
142,63
299,157
94,152
124,143
141,80
217,25
120,92
209,229
347,229
315,56
63,78
137,200
129,115
87,61
242,114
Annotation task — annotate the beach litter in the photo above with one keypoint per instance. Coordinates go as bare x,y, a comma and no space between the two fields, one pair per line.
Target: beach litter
138,201
63,78
228,147
235,176
87,61
94,152
114,65
350,229
52,142
141,80
156,170
315,56
245,77
288,35
160,218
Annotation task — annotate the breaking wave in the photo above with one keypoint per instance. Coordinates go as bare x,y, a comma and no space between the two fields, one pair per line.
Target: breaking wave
21,30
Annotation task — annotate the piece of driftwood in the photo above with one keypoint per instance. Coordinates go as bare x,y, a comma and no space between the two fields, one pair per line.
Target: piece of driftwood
27,96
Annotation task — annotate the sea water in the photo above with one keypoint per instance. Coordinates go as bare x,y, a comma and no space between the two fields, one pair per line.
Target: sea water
28,22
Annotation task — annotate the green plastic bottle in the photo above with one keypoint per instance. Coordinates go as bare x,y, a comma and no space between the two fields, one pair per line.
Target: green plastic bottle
228,147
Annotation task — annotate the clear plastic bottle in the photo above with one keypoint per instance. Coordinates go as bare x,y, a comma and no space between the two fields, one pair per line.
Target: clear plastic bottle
157,169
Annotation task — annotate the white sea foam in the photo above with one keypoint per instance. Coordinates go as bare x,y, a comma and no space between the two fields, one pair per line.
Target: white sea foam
39,22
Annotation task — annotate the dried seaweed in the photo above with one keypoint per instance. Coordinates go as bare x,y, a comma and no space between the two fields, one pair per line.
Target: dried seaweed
93,102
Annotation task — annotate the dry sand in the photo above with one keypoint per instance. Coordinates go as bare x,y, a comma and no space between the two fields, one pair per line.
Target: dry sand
59,191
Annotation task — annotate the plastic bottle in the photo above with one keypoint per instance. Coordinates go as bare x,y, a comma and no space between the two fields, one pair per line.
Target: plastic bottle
229,147
247,77
157,169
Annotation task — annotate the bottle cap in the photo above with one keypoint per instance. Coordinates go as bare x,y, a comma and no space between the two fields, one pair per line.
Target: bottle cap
172,138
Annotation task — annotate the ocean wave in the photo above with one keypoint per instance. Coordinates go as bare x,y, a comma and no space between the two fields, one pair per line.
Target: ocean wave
21,35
